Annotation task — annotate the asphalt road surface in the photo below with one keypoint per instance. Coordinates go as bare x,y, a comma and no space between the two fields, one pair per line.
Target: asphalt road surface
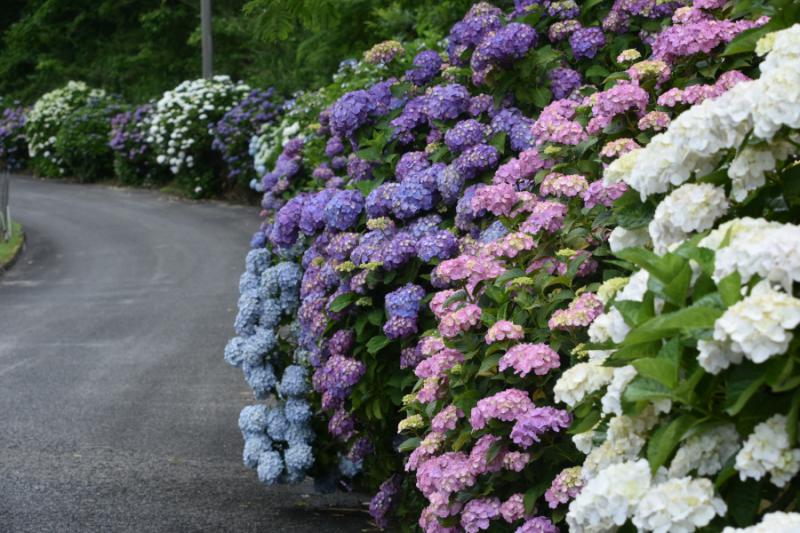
117,412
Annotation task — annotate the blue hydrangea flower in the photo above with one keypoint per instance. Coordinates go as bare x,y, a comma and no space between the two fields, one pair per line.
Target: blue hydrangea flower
289,276
494,231
261,379
276,424
289,302
465,134
344,209
350,469
424,225
350,112
404,301
426,66
270,313
449,184
439,245
379,200
248,314
261,342
254,446
411,199
586,42
476,159
297,410
358,169
253,420
411,163
270,467
299,434
401,249
257,260
248,282
447,102
233,351
312,218
294,381
268,286
299,457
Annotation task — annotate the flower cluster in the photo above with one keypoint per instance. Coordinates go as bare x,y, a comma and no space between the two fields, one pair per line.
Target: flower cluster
13,142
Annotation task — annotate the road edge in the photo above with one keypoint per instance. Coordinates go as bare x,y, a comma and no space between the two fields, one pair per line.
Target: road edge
14,258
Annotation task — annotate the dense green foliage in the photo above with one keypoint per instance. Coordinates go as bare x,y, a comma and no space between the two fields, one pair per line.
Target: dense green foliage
140,48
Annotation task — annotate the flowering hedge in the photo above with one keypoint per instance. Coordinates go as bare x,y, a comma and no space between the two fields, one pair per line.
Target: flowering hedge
13,143
45,119
458,260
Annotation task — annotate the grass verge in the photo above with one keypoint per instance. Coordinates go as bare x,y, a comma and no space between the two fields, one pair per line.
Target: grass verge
10,249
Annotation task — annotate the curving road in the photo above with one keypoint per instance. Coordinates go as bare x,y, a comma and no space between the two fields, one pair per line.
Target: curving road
117,412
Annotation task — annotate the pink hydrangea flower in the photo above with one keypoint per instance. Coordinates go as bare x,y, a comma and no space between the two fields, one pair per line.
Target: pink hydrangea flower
430,345
446,419
555,125
433,388
538,524
497,199
526,358
462,319
599,193
506,405
534,423
438,364
654,120
580,313
513,508
502,330
682,40
618,147
550,264
478,513
547,216
446,473
479,456
623,97
429,447
510,246
557,184
566,485
516,461
438,307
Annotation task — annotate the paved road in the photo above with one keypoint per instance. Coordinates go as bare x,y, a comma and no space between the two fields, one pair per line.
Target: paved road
117,412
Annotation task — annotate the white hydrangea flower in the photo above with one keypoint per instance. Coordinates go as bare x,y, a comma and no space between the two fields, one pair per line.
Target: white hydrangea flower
607,501
694,142
770,250
636,288
609,288
609,326
582,379
777,522
768,450
747,169
689,208
758,327
612,400
705,453
621,238
625,439
678,506
584,442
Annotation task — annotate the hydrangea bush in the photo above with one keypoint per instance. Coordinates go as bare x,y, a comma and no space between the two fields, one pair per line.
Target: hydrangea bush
13,142
134,158
45,120
458,262
82,140
181,131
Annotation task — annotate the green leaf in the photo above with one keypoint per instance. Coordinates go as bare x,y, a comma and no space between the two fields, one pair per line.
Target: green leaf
342,301
794,412
409,444
633,214
685,320
664,268
541,96
533,494
660,370
499,141
488,365
743,382
645,389
585,423
730,289
665,439
743,498
377,343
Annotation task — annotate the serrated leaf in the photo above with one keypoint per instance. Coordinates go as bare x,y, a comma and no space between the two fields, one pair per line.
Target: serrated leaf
342,301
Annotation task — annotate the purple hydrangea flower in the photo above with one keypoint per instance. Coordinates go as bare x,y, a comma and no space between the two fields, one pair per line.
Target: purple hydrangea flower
447,102
350,112
411,199
426,67
563,81
411,163
586,42
343,210
440,245
465,134
476,159
405,301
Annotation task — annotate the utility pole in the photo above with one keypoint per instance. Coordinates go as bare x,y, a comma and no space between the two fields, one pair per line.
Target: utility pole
208,48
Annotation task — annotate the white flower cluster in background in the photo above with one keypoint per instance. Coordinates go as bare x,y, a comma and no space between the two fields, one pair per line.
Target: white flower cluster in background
50,110
179,125
757,328
628,491
705,453
772,523
747,169
768,451
580,380
689,208
756,246
695,141
266,146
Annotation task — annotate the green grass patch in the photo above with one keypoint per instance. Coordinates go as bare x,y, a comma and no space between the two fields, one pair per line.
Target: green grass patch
9,249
